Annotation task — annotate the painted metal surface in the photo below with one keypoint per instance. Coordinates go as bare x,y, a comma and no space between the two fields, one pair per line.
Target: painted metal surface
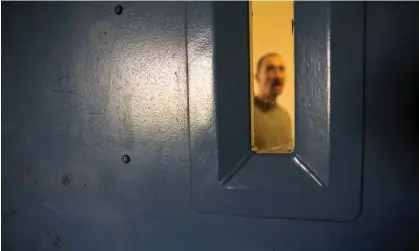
226,176
81,86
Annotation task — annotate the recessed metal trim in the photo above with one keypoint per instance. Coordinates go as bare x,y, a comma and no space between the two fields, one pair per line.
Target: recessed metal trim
297,161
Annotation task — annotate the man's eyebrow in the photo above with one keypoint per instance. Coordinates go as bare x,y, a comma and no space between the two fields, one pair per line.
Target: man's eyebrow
273,66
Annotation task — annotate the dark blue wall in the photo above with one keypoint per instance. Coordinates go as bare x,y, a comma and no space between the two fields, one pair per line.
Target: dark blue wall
81,86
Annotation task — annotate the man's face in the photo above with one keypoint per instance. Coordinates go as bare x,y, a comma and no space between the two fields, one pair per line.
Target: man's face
271,76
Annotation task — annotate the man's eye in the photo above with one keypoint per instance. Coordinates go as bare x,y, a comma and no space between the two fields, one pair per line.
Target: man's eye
282,68
270,68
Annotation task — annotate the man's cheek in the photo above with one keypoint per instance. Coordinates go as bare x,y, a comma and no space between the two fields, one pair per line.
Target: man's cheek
267,88
282,80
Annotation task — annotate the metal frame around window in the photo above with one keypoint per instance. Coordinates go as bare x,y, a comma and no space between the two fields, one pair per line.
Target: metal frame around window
321,180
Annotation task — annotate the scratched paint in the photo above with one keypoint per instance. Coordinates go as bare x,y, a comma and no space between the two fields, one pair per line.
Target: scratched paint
146,205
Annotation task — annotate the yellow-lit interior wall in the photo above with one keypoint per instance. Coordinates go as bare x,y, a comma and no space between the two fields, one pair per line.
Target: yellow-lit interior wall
272,32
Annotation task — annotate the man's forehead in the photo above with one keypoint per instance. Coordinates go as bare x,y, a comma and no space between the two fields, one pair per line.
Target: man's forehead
273,60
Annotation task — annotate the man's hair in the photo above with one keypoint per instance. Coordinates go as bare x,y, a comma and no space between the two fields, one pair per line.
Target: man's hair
267,55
